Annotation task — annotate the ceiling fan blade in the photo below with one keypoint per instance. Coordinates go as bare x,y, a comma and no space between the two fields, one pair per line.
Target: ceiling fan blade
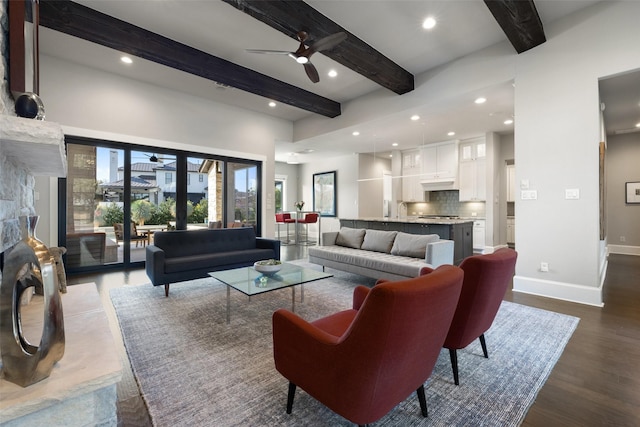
268,52
312,73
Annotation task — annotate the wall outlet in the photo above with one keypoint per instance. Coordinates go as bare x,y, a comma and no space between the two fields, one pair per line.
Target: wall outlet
544,266
623,239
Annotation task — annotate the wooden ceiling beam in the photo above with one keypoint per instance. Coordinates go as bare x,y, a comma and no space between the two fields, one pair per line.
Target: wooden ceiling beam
520,21
292,16
88,24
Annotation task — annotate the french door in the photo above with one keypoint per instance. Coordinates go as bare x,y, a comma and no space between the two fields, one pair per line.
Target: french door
116,196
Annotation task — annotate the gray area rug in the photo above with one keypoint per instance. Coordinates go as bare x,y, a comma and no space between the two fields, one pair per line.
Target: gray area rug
195,370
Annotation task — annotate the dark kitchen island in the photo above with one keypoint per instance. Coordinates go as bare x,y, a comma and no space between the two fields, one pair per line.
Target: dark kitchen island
458,230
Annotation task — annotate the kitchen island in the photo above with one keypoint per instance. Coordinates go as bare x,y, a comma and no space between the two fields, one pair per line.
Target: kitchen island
458,230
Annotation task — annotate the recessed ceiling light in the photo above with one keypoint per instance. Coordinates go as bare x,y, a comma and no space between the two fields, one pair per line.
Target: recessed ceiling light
415,117
451,133
480,100
638,125
355,133
395,144
272,104
508,122
390,155
429,23
126,60
332,73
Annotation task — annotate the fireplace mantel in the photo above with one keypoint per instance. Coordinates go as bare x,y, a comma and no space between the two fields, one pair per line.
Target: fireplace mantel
36,145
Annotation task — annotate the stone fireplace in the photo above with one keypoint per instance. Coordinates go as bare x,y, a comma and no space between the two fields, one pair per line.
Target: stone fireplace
28,148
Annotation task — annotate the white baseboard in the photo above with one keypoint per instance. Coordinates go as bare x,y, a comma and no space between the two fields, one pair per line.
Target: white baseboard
624,250
559,290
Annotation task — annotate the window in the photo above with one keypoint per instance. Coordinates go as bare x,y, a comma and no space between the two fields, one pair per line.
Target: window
168,178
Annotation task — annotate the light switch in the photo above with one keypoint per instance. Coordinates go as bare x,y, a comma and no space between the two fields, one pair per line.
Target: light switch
529,194
572,193
524,184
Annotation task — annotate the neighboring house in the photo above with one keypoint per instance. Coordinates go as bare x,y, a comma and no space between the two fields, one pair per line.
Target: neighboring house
156,182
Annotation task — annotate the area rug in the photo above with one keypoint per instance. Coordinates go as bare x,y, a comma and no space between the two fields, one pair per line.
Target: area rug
195,369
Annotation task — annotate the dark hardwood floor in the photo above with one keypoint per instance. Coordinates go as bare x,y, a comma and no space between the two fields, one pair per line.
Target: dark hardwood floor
596,382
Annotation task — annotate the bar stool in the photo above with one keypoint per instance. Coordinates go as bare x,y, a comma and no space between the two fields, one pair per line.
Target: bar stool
281,218
310,218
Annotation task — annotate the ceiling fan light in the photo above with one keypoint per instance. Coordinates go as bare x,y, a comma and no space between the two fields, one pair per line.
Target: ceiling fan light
302,59
429,23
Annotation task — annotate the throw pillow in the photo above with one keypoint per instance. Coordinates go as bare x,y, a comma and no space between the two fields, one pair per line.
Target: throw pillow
350,237
412,245
378,240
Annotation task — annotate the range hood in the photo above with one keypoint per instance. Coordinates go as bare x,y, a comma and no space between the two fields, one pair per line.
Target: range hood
439,184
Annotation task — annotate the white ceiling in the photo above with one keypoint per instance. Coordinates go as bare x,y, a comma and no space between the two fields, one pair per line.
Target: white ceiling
393,27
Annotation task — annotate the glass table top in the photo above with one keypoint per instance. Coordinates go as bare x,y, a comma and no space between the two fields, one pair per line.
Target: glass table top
251,282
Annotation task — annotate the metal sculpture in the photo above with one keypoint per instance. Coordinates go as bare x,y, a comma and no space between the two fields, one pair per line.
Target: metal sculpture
22,362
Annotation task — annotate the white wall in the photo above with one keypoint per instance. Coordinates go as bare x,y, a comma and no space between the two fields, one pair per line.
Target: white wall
92,103
556,147
346,168
370,186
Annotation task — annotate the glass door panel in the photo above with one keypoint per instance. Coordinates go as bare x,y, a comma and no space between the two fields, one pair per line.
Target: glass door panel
242,192
204,193
90,208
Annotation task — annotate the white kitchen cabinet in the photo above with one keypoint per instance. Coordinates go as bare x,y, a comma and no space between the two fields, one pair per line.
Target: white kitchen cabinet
473,149
511,183
440,162
479,230
412,190
511,230
473,171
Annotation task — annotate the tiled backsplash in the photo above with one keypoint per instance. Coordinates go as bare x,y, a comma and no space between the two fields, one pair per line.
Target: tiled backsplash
446,203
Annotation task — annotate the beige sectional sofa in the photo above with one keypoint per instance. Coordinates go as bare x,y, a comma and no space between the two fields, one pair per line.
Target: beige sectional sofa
381,254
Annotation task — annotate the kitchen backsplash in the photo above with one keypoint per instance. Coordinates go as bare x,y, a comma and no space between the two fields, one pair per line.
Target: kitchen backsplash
446,203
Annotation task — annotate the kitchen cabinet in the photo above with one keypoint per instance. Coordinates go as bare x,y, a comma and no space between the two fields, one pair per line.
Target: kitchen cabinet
440,162
473,149
511,183
473,171
511,230
412,190
479,228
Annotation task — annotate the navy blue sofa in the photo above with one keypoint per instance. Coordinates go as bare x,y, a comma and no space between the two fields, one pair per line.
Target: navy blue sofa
180,255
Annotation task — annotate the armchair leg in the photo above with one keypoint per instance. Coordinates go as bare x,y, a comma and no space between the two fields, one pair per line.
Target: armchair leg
483,343
453,355
290,396
166,290
423,401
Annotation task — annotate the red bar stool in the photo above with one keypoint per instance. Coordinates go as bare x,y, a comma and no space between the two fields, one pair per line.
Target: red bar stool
281,218
310,218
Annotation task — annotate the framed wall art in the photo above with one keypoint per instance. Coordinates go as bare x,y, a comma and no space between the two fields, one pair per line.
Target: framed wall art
325,193
632,193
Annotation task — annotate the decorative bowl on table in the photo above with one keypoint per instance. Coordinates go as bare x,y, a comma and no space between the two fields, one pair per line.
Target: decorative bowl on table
268,267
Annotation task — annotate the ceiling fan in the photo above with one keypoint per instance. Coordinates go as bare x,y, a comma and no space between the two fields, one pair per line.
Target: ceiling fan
155,159
302,55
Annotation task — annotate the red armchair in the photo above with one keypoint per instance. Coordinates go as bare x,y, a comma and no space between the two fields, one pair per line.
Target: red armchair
486,279
362,362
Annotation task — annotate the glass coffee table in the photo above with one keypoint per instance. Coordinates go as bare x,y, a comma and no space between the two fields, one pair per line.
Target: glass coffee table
251,282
